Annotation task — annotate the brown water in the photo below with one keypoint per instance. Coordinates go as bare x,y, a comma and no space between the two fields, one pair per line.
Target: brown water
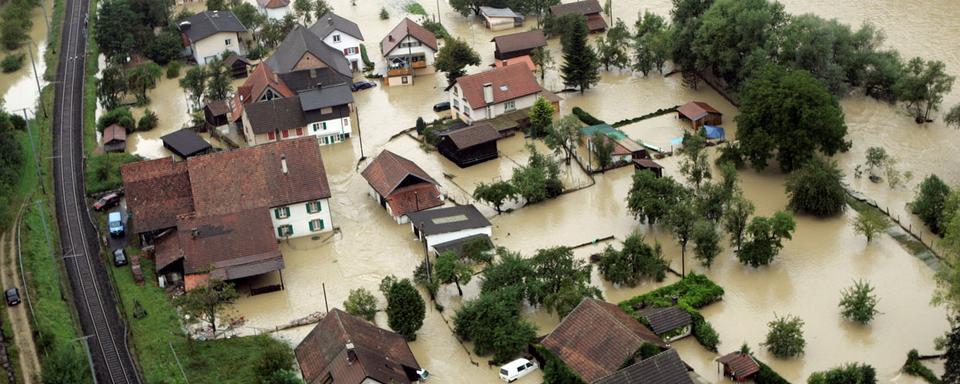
805,280
19,88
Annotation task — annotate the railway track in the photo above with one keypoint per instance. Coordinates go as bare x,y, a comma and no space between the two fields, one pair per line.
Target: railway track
92,291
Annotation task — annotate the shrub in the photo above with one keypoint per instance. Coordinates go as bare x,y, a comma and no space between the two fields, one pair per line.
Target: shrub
173,70
929,202
694,291
785,338
658,112
817,188
859,303
383,14
361,303
12,62
705,334
415,9
405,308
847,374
103,171
438,29
494,325
276,357
367,63
121,116
914,367
585,117
767,375
148,121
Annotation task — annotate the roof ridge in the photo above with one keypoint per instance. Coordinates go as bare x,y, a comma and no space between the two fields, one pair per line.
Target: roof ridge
620,323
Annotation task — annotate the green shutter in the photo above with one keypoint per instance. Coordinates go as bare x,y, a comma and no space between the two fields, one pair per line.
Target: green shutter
286,211
276,213
289,230
321,224
319,206
324,124
312,229
280,231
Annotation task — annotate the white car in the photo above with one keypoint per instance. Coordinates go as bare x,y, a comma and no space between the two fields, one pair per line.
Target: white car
516,369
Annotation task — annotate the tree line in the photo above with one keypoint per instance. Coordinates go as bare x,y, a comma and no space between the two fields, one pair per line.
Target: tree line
11,162
15,23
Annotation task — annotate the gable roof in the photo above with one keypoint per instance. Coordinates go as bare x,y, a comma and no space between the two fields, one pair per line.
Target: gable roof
662,368
449,219
377,353
327,96
583,7
273,4
520,41
388,170
596,338
696,110
209,23
114,132
301,41
498,12
235,58
739,364
260,79
473,135
306,79
156,192
510,82
217,107
275,115
525,60
406,28
663,320
330,22
185,143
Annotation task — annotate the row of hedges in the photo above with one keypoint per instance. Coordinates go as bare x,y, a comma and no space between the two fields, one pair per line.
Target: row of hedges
693,292
767,375
586,118
658,112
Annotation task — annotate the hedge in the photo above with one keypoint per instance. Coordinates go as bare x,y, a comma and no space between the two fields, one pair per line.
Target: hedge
586,118
658,112
554,370
695,291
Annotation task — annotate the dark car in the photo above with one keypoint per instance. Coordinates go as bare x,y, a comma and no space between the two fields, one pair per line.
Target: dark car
361,85
119,257
13,296
442,106
107,201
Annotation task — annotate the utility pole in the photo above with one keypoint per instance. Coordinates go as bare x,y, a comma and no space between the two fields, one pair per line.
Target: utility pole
33,148
36,77
359,134
325,307
86,348
438,13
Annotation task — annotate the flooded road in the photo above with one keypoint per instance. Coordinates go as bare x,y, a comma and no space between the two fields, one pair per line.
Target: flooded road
19,88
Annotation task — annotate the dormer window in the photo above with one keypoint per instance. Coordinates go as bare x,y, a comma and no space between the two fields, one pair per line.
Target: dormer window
336,38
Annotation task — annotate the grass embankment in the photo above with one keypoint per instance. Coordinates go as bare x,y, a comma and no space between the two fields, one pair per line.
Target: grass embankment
911,244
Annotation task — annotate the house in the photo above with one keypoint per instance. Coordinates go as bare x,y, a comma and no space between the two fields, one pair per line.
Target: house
157,191
699,114
670,323
437,226
525,60
239,66
662,368
596,338
185,143
409,51
324,113
307,79
588,8
216,113
493,93
345,349
274,9
518,44
340,34
263,84
738,366
114,138
400,186
648,165
303,50
209,34
469,145
498,19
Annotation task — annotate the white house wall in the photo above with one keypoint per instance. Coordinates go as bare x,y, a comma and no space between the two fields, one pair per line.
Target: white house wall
213,46
300,219
401,51
275,13
489,112
346,41
441,238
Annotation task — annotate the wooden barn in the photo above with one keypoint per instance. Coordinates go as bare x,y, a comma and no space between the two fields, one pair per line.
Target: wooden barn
239,66
699,114
470,145
114,138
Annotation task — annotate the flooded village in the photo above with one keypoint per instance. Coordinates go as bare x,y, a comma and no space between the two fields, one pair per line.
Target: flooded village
293,285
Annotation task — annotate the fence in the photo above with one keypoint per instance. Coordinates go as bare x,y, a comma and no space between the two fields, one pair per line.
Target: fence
906,227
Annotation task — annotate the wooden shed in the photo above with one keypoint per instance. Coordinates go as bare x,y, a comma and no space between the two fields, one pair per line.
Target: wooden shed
470,145
239,66
699,114
114,138
644,164
738,366
215,113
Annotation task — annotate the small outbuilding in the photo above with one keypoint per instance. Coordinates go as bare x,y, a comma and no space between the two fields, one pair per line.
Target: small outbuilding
185,143
525,59
498,19
215,113
648,165
738,366
470,145
401,186
518,44
662,368
670,323
441,225
699,114
590,9
114,138
239,66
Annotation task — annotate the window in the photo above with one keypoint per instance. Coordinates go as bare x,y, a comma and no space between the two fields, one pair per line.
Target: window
227,41
281,213
299,131
351,51
285,230
314,207
466,110
509,106
271,136
336,38
456,91
404,80
316,225
324,125
315,126
456,104
286,133
346,122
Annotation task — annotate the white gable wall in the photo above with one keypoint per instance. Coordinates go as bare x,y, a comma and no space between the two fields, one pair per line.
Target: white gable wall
346,42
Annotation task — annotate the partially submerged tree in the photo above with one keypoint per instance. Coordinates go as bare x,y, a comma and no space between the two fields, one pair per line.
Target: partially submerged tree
206,302
735,218
817,188
542,58
360,302
454,57
194,83
562,281
635,261
143,78
564,136
495,193
929,202
858,303
541,117
922,86
603,148
766,238
785,338
855,373
706,242
651,197
218,81
870,223
581,66
405,308
494,325
681,219
732,33
450,269
694,163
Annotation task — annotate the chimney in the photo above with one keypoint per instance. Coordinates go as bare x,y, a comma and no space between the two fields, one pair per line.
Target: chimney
330,20
390,38
276,78
488,93
351,353
194,233
283,163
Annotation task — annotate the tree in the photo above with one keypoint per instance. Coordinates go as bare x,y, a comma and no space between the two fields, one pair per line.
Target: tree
561,280
580,64
694,164
650,198
733,30
929,202
541,117
249,16
321,8
650,43
206,302
951,367
495,193
165,47
450,269
477,250
564,136
948,275
120,116
464,7
405,308
855,373
510,271
735,218
817,188
953,117
681,219
539,179
870,223
785,338
637,260
882,72
111,86
216,5
304,10
194,82
922,86
788,115
494,325
859,303
218,81
274,357
611,48
64,365
284,376
453,57
148,121
603,149
706,242
766,238
360,302
142,78
118,28
687,17
542,58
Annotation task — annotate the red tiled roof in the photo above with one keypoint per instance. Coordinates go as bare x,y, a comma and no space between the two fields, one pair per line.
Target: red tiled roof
114,132
234,181
696,110
406,28
157,191
596,338
525,59
414,198
228,246
255,85
741,365
272,4
508,83
595,23
388,171
377,353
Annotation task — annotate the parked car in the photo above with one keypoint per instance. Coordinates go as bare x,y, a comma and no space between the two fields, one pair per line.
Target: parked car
516,369
13,296
115,224
107,201
119,257
361,85
441,106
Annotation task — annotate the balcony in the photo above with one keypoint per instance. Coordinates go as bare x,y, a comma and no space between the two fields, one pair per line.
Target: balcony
419,64
398,72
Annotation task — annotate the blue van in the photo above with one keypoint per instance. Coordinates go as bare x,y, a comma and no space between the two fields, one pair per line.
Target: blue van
115,224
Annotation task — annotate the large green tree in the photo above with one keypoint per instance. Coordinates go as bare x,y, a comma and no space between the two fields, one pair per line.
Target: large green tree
635,261
855,373
494,325
405,308
541,117
611,49
765,239
922,86
785,338
205,303
735,218
153,13
817,188
564,136
111,86
694,163
731,31
687,16
706,242
651,197
581,66
790,116
681,218
451,269
858,303
510,270
218,81
495,193
194,83
562,281
118,31
453,57
143,78
930,201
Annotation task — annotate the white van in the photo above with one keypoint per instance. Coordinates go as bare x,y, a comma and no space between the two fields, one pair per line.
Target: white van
516,369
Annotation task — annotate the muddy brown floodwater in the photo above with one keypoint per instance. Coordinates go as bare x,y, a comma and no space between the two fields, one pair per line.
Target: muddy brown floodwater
805,280
19,88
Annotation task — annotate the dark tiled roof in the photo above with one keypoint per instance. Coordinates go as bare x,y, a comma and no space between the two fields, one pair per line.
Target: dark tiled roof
328,96
209,23
218,107
301,41
274,115
449,219
521,41
647,163
306,79
664,320
596,338
407,28
595,23
156,192
235,58
185,143
473,135
663,368
584,7
217,191
696,110
272,4
389,170
330,22
381,355
508,83
740,364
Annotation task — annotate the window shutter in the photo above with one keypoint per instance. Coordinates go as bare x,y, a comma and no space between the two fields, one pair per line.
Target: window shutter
319,206
276,213
299,131
286,133
280,231
321,224
286,211
324,124
271,136
311,226
346,51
